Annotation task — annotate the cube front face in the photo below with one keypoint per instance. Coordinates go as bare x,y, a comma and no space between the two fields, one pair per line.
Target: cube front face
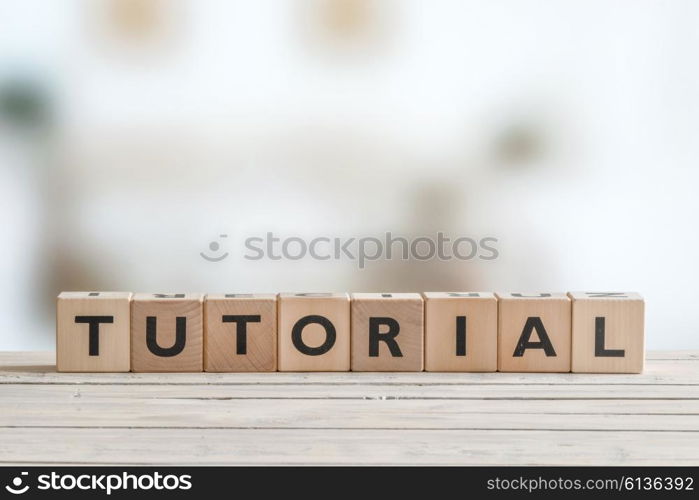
167,333
314,332
608,332
387,332
534,332
240,333
461,332
93,332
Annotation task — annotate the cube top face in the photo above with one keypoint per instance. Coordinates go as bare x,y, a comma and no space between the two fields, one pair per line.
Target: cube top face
167,333
608,332
386,296
459,295
94,295
313,332
167,297
240,333
534,334
313,295
93,332
387,332
605,296
241,296
531,295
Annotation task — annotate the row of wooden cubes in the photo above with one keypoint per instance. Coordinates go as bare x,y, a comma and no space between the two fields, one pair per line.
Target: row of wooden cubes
585,332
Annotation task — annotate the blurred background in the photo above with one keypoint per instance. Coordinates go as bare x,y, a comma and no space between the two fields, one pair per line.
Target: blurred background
135,132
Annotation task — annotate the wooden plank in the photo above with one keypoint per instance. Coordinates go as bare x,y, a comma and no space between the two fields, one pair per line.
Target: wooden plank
30,370
349,380
350,418
676,355
681,378
84,397
361,391
342,414
360,447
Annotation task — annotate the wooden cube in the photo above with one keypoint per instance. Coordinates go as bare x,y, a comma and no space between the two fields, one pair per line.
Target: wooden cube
387,332
534,332
461,332
240,332
608,332
93,332
314,332
167,333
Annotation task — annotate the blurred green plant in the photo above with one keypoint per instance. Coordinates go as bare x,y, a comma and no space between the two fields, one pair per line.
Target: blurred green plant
24,104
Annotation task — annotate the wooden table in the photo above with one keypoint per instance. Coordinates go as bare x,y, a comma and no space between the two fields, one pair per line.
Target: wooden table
349,418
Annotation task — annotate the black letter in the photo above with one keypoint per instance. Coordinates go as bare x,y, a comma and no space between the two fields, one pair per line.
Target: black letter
537,295
94,331
241,329
534,323
461,335
600,351
297,339
620,295
389,337
180,337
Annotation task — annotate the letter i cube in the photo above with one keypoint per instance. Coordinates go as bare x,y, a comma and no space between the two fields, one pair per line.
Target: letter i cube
461,332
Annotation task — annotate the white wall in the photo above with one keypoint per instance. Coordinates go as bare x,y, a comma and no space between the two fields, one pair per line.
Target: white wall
247,117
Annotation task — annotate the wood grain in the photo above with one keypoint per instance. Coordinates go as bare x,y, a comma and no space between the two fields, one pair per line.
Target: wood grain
73,338
550,310
166,309
349,418
406,311
622,316
220,338
478,312
346,447
331,307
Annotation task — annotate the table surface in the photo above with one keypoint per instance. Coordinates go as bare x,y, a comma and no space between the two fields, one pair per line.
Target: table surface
349,418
